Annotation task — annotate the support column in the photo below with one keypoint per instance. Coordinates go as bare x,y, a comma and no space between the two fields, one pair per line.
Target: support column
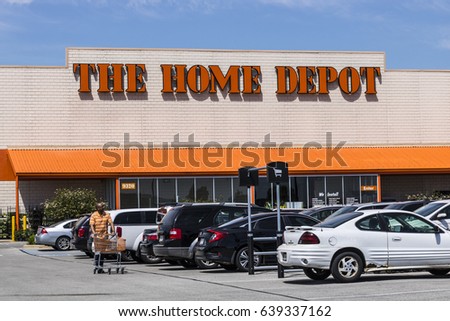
17,203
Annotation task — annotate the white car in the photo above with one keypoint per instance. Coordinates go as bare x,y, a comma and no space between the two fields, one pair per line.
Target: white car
130,223
367,241
437,211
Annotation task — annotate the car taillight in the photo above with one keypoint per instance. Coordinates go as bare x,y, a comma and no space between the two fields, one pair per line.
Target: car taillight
44,231
151,237
119,231
175,234
309,238
216,236
81,232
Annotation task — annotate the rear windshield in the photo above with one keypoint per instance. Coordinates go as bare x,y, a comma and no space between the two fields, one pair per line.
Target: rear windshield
429,208
345,209
333,222
193,216
81,220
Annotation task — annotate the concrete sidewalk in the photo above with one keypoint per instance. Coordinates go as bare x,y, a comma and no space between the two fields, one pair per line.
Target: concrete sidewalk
5,243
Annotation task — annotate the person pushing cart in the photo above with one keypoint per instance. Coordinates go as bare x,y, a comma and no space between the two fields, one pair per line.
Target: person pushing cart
100,222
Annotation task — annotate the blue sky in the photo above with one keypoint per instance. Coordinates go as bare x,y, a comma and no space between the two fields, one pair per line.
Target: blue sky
415,34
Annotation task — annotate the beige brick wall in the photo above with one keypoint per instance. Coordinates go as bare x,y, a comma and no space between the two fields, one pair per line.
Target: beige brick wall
42,106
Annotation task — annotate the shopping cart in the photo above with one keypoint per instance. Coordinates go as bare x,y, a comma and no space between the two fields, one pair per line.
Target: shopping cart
106,247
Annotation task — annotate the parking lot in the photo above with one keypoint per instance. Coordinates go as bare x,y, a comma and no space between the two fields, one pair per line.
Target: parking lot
38,273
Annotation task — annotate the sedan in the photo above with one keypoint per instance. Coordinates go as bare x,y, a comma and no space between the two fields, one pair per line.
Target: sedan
367,241
227,244
57,235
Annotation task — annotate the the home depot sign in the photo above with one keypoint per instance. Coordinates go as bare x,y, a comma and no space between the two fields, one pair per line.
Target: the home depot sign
236,80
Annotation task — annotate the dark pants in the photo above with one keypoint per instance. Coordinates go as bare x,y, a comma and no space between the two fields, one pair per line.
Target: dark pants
98,260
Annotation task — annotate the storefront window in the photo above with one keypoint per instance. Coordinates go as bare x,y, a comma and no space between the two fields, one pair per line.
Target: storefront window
351,190
186,190
299,194
369,189
222,189
129,193
166,188
239,192
263,193
334,190
148,193
204,190
316,191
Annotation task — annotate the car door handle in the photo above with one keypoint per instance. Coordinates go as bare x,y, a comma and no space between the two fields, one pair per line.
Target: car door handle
396,239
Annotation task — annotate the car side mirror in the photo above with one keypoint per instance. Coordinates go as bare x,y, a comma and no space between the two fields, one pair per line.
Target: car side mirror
441,215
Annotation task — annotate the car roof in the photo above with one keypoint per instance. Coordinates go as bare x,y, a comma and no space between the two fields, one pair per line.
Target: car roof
256,216
125,210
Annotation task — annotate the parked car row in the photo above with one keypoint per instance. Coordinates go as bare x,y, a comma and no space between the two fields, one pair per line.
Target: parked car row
342,241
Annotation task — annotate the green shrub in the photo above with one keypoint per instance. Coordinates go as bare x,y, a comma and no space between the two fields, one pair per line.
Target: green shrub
69,203
24,235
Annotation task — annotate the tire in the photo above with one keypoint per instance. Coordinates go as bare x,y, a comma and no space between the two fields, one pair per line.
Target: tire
242,259
229,267
439,272
62,243
347,267
150,259
188,264
204,264
316,274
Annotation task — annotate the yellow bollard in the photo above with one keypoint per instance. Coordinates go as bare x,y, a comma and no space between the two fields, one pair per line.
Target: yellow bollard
24,223
13,228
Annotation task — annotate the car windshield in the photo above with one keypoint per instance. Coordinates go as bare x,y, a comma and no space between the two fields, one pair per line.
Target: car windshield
333,222
429,208
345,209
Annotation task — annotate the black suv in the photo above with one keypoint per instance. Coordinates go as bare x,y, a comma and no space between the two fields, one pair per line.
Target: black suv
81,235
179,227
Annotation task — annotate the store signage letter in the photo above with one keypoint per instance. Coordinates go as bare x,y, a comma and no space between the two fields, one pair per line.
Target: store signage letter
111,77
302,79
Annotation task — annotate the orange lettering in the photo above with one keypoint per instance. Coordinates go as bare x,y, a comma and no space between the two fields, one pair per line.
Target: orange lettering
349,80
285,74
327,75
84,71
135,78
370,73
231,78
251,79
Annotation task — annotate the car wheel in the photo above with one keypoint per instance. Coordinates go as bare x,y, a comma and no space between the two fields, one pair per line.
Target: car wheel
439,271
62,243
316,274
188,264
204,264
150,259
229,267
347,267
242,260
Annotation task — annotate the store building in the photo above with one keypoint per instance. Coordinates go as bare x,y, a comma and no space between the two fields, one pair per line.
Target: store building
147,126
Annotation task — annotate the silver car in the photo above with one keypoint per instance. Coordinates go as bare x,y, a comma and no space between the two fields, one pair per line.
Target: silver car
57,235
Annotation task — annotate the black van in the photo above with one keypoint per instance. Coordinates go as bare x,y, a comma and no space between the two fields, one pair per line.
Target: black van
178,227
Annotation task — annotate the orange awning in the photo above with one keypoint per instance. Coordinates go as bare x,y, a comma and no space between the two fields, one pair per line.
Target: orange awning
202,161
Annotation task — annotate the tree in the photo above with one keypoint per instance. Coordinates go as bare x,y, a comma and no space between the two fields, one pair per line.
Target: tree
69,203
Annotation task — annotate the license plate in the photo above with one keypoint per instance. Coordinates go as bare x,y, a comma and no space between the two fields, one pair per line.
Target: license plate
202,242
161,238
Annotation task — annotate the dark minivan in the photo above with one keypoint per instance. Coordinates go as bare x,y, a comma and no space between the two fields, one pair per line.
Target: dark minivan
179,227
